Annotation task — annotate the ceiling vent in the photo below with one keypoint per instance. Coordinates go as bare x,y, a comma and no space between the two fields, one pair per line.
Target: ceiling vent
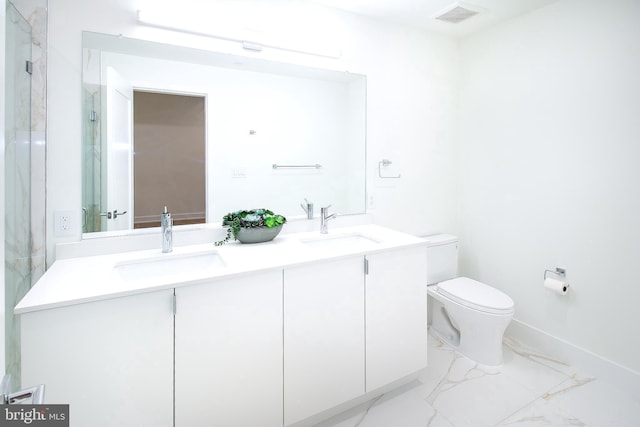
457,13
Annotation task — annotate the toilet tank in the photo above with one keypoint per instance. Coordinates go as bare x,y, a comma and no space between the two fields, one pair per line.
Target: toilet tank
442,258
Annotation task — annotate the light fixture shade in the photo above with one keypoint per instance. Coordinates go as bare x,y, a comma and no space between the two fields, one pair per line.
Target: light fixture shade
250,40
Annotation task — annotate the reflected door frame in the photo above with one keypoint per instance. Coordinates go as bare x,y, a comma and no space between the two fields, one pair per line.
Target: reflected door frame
119,149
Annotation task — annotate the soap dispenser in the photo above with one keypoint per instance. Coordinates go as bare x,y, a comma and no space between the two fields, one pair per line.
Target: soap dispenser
166,222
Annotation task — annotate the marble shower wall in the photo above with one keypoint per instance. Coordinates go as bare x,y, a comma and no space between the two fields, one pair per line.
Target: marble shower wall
25,168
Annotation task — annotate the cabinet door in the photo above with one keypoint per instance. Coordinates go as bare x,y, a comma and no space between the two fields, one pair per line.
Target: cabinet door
396,310
228,346
323,336
111,360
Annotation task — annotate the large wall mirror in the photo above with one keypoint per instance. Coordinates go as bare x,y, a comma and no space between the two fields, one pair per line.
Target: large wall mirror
206,133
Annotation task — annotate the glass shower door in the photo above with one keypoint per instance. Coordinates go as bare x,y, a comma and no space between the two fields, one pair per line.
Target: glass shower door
93,154
17,178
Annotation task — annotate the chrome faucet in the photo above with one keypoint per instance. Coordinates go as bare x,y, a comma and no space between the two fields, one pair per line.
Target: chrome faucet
167,237
324,218
307,207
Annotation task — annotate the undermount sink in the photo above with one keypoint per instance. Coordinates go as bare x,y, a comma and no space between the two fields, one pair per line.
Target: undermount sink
169,265
330,241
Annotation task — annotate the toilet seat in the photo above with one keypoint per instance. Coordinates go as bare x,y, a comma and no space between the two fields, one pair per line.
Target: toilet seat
476,295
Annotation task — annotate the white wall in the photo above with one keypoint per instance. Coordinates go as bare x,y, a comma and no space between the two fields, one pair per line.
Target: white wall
546,143
548,153
410,96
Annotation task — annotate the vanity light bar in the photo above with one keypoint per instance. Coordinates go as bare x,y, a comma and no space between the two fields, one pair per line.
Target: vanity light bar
160,20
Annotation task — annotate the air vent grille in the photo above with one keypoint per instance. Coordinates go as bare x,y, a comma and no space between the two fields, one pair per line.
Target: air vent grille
456,15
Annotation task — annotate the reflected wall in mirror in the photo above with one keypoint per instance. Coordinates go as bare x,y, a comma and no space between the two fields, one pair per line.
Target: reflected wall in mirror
168,158
257,114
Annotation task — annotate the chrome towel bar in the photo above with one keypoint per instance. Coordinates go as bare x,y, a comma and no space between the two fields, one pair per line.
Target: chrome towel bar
316,166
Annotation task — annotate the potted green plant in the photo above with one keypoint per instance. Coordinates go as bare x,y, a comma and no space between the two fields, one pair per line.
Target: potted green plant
252,226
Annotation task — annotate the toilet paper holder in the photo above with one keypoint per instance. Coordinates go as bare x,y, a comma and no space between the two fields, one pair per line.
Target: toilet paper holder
558,271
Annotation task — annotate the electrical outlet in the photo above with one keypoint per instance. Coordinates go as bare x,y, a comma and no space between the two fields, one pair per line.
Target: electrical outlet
64,223
371,201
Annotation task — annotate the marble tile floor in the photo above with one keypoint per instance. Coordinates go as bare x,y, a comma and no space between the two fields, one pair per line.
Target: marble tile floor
528,390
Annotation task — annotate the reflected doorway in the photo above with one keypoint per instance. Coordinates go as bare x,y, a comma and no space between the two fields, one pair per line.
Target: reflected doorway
169,160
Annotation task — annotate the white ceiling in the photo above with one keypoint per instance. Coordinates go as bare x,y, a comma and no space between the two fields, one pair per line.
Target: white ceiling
421,13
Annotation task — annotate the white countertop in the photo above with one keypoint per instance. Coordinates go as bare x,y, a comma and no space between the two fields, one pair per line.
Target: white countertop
85,279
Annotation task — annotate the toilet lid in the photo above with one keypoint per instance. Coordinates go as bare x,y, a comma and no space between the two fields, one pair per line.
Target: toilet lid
474,294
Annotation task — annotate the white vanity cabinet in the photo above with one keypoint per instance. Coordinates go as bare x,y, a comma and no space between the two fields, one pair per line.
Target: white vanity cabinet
228,352
396,313
352,326
113,360
312,328
110,360
323,336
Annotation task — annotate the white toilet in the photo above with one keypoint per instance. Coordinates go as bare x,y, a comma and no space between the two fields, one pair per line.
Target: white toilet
466,314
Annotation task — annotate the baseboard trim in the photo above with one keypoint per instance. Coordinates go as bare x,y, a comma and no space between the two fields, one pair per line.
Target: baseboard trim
175,215
356,402
617,375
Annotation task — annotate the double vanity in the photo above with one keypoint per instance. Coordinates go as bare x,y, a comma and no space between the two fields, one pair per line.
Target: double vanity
287,332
